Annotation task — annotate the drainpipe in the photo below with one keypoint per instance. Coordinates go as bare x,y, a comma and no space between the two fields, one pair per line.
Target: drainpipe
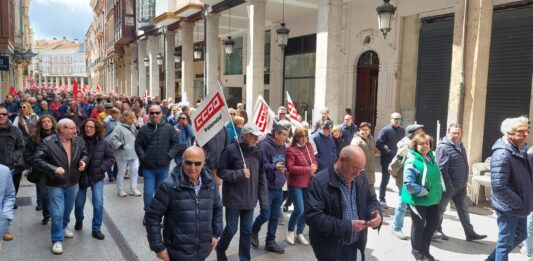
462,83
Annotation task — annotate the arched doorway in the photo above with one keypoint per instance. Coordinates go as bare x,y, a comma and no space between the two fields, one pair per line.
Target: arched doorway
367,88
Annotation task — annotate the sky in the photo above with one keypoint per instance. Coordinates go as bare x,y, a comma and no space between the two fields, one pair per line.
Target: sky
58,18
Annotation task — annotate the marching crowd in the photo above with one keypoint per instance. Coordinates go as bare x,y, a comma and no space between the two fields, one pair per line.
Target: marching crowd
326,172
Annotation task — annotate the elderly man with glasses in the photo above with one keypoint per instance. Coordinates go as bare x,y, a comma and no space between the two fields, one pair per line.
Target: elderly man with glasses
191,228
156,145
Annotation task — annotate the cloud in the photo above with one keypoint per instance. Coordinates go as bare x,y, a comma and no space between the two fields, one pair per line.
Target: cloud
58,18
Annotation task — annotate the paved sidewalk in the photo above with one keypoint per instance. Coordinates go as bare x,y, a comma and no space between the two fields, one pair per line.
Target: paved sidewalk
126,237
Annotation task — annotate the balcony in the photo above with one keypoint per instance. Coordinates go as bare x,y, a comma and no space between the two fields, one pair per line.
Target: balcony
146,14
164,12
186,8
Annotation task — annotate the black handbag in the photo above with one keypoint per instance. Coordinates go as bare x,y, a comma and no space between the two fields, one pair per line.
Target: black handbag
84,181
33,176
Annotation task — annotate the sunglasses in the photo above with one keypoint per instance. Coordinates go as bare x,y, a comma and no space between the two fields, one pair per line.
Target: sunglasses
3,114
196,163
155,112
397,119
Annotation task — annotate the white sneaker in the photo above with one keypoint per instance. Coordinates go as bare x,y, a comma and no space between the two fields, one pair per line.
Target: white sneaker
290,237
121,193
57,248
301,239
67,233
525,252
399,234
135,192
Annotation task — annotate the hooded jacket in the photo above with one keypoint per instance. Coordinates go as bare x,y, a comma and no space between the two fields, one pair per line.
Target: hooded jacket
272,155
239,192
511,181
11,144
156,145
191,221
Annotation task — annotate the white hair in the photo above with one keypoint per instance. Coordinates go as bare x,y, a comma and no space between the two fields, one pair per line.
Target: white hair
324,110
509,125
63,123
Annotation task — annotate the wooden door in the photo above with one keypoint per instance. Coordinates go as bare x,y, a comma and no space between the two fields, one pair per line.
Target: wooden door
366,96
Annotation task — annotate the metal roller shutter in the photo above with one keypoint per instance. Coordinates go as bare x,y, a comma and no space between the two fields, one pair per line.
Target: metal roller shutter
433,77
510,71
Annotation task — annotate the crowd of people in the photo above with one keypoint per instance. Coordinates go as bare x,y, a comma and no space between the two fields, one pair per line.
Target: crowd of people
327,173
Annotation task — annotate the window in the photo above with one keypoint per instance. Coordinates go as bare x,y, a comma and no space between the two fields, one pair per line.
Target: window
234,61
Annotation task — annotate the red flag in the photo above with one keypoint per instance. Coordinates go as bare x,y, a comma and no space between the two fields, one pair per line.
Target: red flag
85,89
98,88
293,113
12,91
77,91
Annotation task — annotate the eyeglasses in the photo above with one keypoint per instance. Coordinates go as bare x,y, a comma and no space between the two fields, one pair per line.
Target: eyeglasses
4,114
396,119
196,163
155,112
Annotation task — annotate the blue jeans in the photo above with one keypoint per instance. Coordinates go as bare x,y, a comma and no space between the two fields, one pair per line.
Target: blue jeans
97,200
399,214
245,239
152,179
271,214
528,243
385,176
297,217
61,204
511,231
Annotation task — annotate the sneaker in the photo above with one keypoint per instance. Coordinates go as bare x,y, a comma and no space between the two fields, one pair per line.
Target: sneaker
57,248
384,205
79,225
7,236
135,192
290,237
98,235
272,246
45,220
399,234
221,255
121,193
301,239
67,233
255,240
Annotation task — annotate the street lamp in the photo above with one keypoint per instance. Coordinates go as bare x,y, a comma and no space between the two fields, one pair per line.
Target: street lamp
283,31
146,62
197,52
229,44
159,59
385,13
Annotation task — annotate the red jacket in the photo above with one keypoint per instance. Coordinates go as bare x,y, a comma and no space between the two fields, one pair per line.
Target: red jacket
299,162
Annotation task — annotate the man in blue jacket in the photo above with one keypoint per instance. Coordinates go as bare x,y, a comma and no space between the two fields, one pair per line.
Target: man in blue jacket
7,199
349,129
512,186
326,150
274,149
453,165
340,207
191,205
386,142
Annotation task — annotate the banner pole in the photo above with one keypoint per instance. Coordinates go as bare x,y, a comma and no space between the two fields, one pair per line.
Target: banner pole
234,130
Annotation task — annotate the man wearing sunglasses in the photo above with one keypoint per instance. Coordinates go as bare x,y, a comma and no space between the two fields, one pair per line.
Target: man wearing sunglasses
244,182
156,145
386,142
191,227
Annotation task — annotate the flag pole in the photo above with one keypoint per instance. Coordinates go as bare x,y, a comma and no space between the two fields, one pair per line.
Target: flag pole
234,130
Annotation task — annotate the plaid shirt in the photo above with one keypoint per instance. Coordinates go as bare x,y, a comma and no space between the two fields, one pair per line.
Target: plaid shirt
349,205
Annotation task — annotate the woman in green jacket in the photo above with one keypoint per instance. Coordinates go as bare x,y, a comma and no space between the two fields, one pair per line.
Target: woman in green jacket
422,191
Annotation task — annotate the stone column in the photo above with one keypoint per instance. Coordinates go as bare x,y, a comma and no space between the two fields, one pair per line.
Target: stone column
126,86
255,54
69,83
328,55
212,50
141,70
134,75
276,72
170,65
476,55
187,66
153,50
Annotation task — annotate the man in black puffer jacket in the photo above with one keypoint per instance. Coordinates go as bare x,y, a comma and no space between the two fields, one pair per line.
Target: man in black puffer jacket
192,208
156,145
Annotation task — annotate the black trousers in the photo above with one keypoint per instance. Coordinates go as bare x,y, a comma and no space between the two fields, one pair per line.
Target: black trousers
425,222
